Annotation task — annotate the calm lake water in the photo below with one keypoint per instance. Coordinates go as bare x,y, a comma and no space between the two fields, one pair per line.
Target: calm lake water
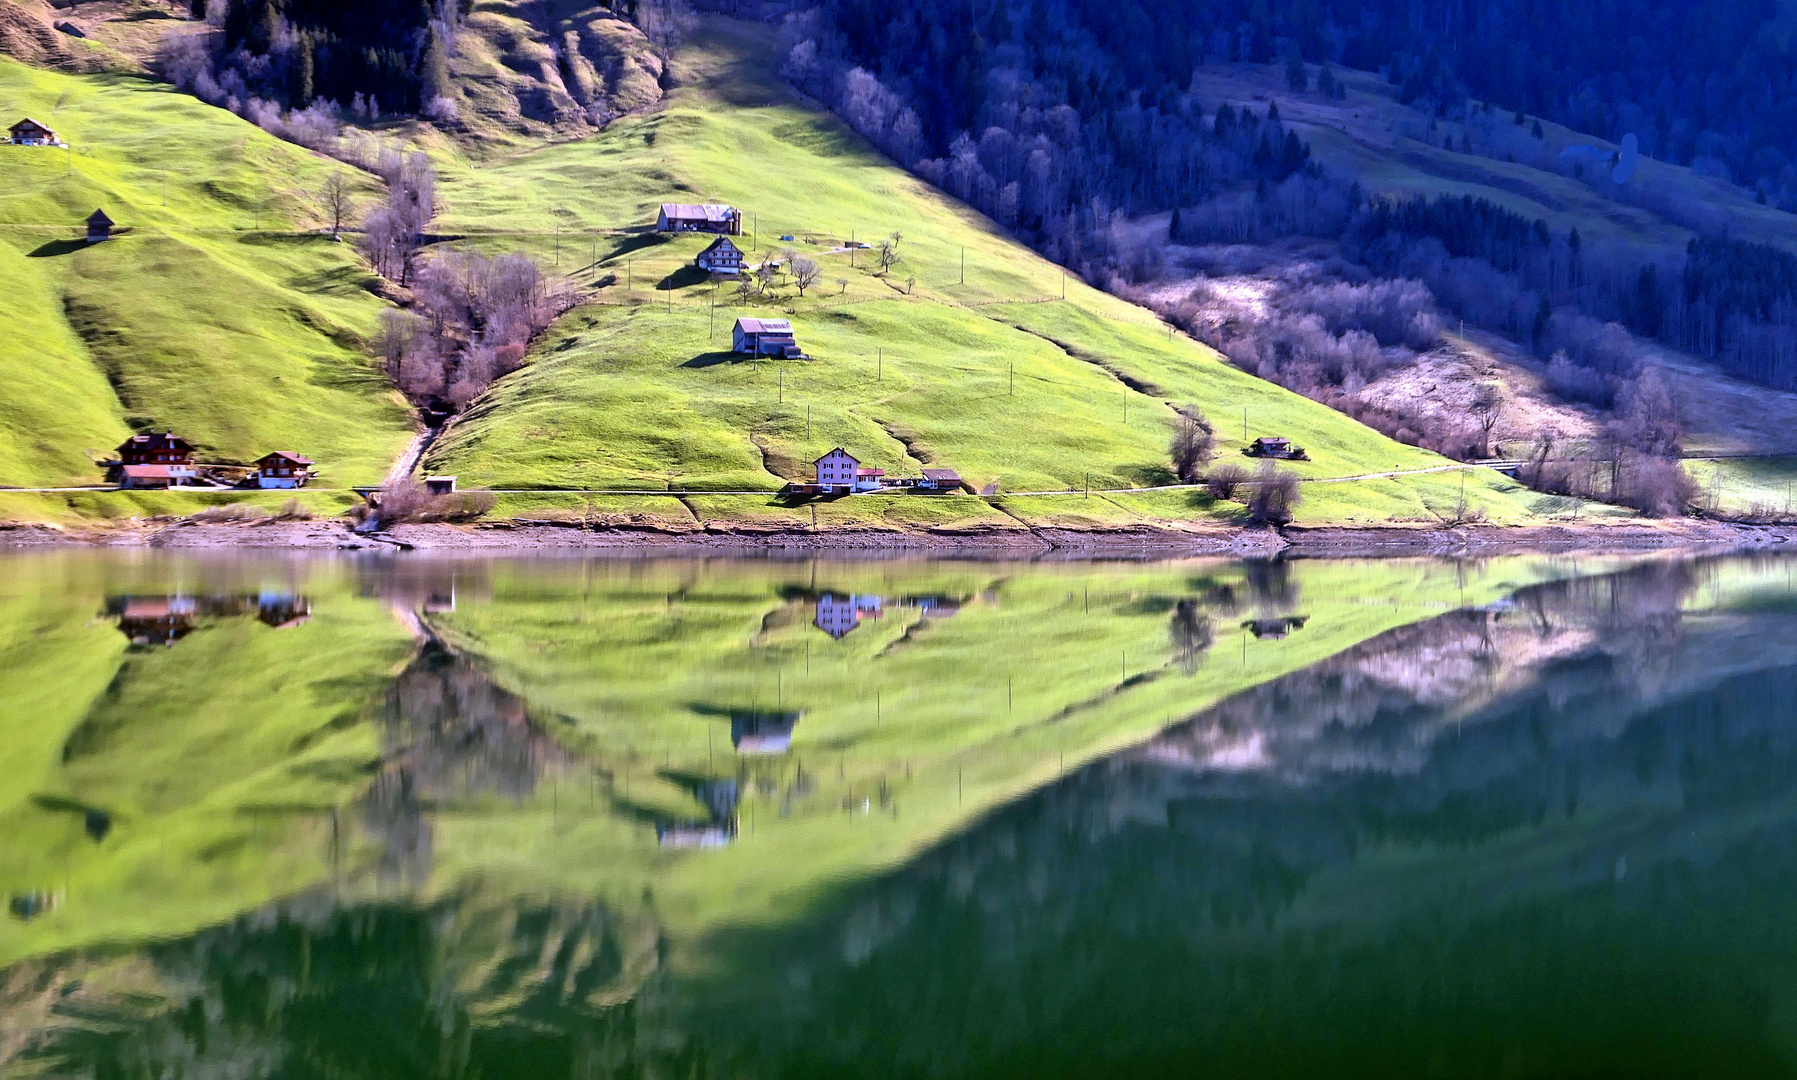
594,818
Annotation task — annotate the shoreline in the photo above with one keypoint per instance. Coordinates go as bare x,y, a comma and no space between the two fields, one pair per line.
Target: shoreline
1303,541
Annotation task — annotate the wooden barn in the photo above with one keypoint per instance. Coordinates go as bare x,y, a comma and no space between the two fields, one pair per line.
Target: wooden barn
700,217
99,227
939,482
29,132
283,469
721,257
766,337
1268,446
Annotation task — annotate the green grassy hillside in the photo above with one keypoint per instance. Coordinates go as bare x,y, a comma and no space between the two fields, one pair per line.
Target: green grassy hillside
193,318
911,367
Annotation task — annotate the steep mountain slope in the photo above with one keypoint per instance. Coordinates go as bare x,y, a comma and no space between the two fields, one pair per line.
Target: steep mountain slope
218,310
909,367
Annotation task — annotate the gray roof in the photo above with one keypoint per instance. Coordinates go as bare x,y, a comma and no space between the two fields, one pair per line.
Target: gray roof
712,212
764,326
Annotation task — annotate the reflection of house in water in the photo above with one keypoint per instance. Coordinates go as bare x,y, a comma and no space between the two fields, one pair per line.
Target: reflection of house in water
28,906
718,829
154,620
837,614
755,732
1275,628
283,610
164,620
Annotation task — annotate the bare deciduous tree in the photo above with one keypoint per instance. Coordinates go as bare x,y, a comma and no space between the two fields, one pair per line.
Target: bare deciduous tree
888,254
805,273
1488,407
336,199
1192,444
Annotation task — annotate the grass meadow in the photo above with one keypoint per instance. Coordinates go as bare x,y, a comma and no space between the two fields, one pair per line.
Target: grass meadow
218,311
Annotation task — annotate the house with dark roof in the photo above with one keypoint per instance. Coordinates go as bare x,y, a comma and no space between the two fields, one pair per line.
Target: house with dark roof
939,482
766,337
283,469
157,459
720,257
699,217
1272,446
99,227
29,132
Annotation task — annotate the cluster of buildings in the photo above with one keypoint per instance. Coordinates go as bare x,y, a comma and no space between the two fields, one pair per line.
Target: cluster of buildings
841,473
161,459
722,258
149,621
837,614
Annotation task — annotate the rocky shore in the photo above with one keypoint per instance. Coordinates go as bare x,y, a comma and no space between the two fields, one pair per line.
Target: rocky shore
515,536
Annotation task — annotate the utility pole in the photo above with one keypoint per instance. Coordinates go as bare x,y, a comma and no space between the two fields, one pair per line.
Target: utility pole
879,364
629,277
807,423
851,249
1063,284
1013,378
782,398
1088,485
755,231
963,265
670,298
558,244
1244,425
713,330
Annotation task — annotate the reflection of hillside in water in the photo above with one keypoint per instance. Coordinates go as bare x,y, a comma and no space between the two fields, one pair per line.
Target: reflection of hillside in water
1558,830
448,734
474,985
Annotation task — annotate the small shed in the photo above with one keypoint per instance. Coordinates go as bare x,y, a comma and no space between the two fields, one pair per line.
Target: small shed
869,479
283,469
766,337
720,257
1268,446
29,132
440,485
149,477
99,227
699,217
939,481
838,470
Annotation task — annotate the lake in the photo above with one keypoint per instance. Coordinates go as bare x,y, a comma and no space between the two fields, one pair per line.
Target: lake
398,817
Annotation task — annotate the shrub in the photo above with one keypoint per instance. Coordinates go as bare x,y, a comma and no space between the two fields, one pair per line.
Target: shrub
1274,496
406,502
1224,481
229,514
